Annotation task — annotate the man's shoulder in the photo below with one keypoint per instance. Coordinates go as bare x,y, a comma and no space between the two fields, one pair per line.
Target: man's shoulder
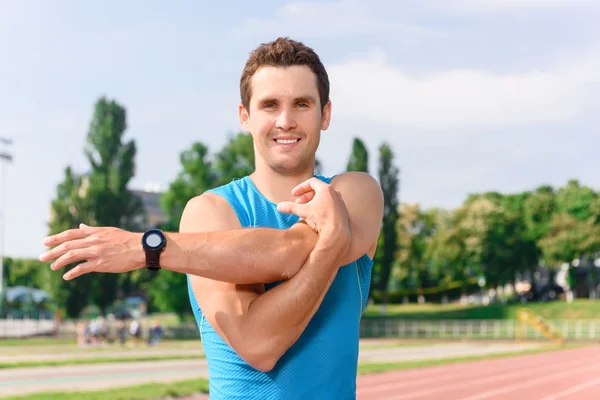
355,182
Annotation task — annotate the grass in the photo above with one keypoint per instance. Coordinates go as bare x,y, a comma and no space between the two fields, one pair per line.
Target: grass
35,342
58,345
148,391
99,360
579,309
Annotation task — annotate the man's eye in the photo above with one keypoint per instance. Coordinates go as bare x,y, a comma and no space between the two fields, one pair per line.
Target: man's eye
302,105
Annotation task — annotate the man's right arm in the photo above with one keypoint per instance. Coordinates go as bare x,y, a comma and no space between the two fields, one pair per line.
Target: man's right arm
260,326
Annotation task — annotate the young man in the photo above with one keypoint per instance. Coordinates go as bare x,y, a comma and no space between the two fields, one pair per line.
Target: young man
279,262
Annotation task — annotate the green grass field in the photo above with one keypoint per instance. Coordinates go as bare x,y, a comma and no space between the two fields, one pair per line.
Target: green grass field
579,309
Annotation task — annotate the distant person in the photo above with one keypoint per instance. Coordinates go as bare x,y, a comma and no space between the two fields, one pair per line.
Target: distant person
82,334
155,333
135,330
278,262
122,332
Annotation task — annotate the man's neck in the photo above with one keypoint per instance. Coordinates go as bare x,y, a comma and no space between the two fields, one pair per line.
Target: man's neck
276,187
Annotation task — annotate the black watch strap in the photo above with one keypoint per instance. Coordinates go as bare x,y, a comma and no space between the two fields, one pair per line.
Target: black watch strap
152,260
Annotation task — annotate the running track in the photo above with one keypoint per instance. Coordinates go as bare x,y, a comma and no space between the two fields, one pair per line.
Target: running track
566,375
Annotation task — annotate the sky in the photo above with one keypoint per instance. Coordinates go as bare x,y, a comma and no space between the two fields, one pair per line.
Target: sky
472,95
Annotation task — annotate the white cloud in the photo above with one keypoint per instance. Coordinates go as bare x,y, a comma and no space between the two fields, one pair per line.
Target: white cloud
310,19
372,89
509,5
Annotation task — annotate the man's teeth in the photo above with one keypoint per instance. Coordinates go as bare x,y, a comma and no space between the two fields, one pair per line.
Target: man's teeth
288,141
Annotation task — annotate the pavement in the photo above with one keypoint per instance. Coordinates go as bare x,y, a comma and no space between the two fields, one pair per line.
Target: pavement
19,381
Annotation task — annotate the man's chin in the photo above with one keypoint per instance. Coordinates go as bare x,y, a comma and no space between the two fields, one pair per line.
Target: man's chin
291,167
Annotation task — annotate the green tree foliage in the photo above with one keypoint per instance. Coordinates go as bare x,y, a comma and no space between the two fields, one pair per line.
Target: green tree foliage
197,176
111,203
23,272
389,181
359,157
236,159
68,209
101,198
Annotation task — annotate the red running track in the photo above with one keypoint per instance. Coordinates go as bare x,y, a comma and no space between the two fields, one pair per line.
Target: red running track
565,374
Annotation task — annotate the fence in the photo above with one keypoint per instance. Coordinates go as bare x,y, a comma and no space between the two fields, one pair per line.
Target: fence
369,328
473,329
19,328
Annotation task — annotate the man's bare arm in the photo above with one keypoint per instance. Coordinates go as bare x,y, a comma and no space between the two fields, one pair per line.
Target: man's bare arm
237,255
267,255
260,326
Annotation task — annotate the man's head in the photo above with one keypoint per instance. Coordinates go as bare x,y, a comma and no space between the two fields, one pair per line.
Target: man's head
281,53
284,91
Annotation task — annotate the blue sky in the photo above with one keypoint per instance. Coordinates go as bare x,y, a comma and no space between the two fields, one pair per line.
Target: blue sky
472,95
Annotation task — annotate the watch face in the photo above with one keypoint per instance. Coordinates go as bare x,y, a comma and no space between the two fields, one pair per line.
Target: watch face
153,240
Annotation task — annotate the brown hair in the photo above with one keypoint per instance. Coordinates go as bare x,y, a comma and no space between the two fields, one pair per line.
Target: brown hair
283,52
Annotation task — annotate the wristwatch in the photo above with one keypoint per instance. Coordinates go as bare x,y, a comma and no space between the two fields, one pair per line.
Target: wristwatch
153,242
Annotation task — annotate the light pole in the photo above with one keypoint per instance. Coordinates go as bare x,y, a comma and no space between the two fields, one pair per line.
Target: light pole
6,158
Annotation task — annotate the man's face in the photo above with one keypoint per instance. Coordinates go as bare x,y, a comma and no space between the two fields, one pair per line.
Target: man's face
285,117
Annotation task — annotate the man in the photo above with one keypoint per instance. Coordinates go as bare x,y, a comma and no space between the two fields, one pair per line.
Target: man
279,262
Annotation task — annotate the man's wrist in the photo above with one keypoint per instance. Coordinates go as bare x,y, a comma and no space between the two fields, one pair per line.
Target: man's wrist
174,256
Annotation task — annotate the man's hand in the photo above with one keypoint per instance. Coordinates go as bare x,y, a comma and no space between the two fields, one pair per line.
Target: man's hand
322,208
105,249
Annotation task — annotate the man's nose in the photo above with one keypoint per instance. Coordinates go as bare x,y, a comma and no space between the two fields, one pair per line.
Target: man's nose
286,121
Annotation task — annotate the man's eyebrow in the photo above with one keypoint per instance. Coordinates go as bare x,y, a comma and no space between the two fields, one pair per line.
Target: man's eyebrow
268,100
307,99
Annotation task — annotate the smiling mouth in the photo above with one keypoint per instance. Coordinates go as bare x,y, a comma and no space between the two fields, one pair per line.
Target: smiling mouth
286,141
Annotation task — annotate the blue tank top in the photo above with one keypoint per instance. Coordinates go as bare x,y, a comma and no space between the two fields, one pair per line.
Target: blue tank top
322,364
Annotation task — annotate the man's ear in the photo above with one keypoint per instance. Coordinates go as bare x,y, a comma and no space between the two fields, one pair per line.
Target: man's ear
326,116
244,118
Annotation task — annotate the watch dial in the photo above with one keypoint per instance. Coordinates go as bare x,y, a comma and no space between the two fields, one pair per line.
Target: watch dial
153,240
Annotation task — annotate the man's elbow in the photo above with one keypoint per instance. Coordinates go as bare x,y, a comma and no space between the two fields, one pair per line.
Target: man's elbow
263,363
260,356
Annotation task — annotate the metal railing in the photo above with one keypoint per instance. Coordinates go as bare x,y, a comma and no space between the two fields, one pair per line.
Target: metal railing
20,328
473,329
369,328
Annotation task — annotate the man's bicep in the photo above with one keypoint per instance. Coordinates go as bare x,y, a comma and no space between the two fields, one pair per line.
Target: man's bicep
364,201
221,302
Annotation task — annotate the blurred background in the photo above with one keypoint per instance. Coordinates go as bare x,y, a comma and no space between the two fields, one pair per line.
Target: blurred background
478,118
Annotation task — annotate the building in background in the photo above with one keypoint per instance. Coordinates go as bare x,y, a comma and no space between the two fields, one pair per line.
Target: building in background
150,197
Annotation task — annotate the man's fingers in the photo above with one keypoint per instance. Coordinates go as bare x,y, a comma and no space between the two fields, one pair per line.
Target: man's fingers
79,270
63,248
72,256
287,207
69,234
310,184
306,197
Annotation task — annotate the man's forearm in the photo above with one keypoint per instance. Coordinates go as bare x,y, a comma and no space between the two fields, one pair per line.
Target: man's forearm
242,256
277,318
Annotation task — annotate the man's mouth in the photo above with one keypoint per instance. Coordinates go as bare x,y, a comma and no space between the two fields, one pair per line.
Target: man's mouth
286,141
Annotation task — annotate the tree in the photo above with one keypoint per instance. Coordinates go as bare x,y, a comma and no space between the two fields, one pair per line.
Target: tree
389,182
236,159
110,201
68,209
415,229
359,158
197,176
